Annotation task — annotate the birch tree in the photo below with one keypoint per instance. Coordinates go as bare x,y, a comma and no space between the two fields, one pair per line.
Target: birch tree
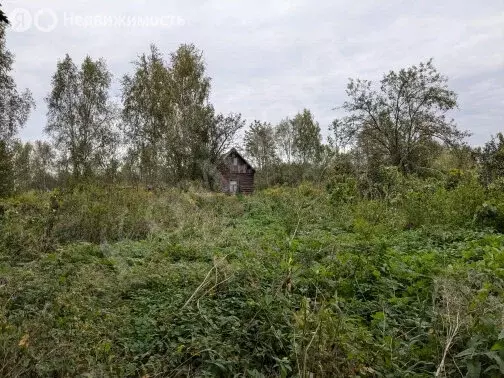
81,117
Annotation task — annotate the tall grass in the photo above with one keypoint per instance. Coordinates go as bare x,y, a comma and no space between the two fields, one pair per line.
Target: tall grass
303,281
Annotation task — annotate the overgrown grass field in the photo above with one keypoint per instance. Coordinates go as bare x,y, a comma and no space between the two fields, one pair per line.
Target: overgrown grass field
307,281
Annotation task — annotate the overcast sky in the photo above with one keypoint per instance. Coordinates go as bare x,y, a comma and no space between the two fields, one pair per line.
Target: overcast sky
270,59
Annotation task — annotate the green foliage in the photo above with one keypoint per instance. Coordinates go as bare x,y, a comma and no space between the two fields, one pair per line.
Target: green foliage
6,171
491,215
343,190
22,166
382,124
170,127
373,273
492,159
81,116
431,203
306,137
15,107
288,282
260,145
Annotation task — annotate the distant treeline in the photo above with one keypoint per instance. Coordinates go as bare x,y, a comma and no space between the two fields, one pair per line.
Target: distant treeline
165,131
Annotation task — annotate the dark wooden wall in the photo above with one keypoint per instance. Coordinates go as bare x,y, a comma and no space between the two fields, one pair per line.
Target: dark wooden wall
245,182
242,173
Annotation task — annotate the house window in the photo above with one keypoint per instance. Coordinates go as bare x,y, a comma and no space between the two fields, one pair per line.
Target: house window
233,187
235,161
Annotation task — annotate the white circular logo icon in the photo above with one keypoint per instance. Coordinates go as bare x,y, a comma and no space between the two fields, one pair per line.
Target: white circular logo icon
21,20
45,20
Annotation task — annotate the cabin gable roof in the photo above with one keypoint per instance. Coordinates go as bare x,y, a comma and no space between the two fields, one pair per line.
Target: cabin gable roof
232,152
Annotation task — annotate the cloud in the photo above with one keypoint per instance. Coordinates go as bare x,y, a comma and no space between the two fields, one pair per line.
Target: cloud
270,59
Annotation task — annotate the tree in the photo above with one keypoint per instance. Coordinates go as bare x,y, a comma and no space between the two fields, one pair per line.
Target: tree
6,171
32,165
146,113
171,128
336,139
22,166
193,115
15,107
42,166
307,144
491,158
260,144
3,17
261,148
14,111
284,135
222,133
81,116
400,119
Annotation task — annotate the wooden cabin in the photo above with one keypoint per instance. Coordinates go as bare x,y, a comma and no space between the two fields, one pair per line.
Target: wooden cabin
237,175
